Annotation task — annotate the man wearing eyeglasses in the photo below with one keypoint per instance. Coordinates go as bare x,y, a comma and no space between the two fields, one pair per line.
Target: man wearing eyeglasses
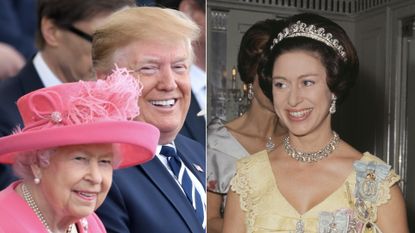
64,36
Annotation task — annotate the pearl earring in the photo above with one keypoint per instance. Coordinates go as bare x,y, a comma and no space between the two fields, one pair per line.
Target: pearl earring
332,108
36,180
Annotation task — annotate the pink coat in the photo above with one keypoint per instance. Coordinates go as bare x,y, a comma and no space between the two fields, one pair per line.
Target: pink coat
17,217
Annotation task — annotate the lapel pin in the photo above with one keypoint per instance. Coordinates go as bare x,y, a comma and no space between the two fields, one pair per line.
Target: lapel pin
198,168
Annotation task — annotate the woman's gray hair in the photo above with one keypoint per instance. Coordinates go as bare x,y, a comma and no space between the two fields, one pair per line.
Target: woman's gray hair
24,160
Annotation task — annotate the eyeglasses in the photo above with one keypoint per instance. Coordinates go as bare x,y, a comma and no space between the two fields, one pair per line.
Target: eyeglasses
79,33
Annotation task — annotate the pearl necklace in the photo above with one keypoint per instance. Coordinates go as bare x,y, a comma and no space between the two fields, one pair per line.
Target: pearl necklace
31,202
311,157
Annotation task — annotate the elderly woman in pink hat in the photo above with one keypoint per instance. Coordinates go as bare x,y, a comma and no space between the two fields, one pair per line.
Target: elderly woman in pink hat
75,134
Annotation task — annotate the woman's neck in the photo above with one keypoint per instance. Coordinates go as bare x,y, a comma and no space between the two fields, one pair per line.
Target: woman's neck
261,122
253,129
54,220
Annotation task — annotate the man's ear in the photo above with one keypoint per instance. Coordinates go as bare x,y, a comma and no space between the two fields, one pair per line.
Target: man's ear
186,7
50,32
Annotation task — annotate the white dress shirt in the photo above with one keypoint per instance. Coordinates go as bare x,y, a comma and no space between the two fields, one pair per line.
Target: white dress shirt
46,75
198,81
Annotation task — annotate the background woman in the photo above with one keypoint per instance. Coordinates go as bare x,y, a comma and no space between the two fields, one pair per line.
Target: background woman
74,135
258,129
314,181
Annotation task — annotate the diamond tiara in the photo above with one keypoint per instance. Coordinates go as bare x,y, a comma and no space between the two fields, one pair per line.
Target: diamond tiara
310,31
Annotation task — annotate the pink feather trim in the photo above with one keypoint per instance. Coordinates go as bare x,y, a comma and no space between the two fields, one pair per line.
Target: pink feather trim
115,98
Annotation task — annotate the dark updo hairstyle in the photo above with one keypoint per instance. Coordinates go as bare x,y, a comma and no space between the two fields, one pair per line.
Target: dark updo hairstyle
252,47
341,73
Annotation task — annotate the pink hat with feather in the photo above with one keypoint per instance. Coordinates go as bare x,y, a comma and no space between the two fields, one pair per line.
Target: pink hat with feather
84,112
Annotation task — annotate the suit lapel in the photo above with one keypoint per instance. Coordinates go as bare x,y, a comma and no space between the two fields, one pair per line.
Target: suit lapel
192,159
162,179
200,175
30,79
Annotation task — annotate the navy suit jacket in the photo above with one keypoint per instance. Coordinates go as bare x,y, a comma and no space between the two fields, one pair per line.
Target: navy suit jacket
147,199
18,25
11,90
194,126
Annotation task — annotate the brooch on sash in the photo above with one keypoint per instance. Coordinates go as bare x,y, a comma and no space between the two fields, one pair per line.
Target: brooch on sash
369,176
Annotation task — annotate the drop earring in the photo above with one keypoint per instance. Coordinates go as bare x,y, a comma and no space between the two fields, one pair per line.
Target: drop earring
36,180
332,108
270,145
250,92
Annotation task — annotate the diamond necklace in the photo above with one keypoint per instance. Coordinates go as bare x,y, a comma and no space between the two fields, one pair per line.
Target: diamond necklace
311,157
31,202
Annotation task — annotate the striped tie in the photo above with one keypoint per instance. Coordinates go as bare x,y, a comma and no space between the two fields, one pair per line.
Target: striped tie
182,176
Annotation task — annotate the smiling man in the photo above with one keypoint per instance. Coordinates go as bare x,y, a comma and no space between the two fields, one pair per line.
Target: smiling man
163,71
167,194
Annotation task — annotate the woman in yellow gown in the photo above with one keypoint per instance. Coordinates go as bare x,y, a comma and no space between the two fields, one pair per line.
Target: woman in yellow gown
314,181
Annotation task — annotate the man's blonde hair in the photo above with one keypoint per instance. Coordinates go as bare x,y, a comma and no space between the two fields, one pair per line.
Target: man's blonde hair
138,24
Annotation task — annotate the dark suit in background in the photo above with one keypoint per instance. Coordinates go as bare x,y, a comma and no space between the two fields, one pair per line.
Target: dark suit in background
10,91
194,126
18,25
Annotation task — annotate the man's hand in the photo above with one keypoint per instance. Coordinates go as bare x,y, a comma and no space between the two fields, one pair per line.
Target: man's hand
11,61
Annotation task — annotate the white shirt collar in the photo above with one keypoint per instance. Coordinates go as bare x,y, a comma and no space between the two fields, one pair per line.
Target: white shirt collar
198,81
46,75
